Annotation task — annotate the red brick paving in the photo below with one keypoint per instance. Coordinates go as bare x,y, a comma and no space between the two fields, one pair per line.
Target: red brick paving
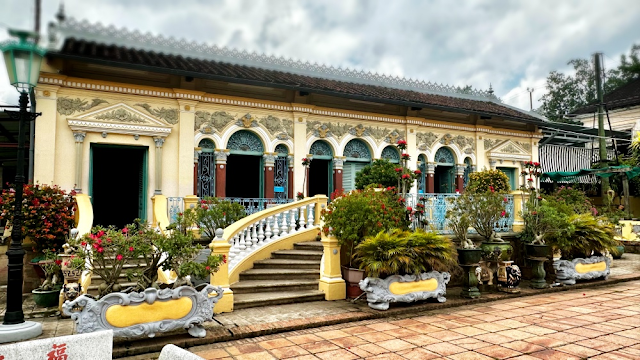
588,323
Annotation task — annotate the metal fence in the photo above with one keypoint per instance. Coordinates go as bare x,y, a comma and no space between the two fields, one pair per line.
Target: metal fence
253,205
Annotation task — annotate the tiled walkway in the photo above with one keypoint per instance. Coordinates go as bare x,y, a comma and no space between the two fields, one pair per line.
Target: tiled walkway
600,323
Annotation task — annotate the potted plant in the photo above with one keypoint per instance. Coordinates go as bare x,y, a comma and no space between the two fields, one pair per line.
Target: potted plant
618,251
468,255
213,213
403,266
47,294
354,216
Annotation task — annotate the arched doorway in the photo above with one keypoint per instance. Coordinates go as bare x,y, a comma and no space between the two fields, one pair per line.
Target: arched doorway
391,153
321,169
245,177
281,173
206,185
445,172
422,180
357,157
467,171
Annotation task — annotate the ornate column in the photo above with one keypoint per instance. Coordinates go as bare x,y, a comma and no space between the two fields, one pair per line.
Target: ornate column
338,163
79,136
269,163
460,177
431,169
159,142
290,194
221,172
492,164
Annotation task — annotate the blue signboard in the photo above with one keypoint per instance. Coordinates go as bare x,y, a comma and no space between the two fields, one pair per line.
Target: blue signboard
278,189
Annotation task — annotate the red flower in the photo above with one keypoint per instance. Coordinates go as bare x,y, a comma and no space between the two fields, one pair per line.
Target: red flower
505,199
417,172
491,188
224,259
402,142
534,213
406,176
95,245
58,262
409,209
84,243
398,169
99,241
125,230
503,213
100,249
100,233
382,206
131,248
119,257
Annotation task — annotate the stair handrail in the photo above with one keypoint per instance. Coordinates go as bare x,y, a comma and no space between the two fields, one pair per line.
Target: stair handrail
233,229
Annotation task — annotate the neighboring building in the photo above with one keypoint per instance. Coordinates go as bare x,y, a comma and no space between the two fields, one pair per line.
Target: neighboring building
127,116
623,104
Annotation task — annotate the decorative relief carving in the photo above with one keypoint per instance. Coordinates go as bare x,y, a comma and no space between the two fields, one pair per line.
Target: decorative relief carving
359,131
489,143
218,120
446,139
282,128
510,149
526,146
394,136
247,121
426,140
168,115
378,133
121,115
68,106
463,142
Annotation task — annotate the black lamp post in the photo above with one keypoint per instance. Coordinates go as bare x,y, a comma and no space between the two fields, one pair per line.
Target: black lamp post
23,59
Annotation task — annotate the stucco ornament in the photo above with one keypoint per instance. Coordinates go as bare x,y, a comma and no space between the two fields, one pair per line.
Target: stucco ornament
567,274
247,121
526,146
90,315
426,140
121,115
394,136
379,296
490,143
168,115
463,143
282,128
359,131
510,149
68,106
323,130
217,120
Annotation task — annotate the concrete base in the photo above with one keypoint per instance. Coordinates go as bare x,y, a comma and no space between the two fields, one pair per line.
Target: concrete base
225,304
334,289
19,332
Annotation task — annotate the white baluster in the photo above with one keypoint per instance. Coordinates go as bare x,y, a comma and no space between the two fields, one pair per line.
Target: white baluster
292,222
243,244
254,236
267,229
310,216
301,217
283,226
276,227
233,252
260,232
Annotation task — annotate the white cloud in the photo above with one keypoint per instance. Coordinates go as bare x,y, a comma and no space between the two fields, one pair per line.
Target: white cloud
510,44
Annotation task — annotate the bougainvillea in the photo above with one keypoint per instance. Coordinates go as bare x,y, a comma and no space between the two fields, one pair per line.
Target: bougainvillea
48,214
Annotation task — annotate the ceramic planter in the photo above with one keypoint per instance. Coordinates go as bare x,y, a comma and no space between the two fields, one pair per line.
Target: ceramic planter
469,259
497,250
146,313
405,288
45,298
352,277
509,277
567,272
469,256
538,251
618,252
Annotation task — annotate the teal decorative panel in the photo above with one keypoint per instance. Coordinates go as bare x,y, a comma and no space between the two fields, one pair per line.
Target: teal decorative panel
320,148
357,149
391,153
444,156
245,141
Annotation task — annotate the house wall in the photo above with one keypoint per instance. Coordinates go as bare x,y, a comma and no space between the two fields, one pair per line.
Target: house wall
208,115
627,119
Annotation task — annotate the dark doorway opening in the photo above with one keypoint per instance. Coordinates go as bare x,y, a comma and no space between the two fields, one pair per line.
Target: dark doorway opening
319,183
118,188
244,176
444,179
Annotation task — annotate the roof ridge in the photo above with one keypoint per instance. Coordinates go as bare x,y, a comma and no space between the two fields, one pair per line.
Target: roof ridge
71,27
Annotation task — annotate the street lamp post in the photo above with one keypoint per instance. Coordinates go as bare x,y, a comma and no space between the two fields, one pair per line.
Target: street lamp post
23,59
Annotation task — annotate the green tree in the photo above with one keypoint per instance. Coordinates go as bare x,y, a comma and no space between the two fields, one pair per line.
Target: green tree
381,172
566,92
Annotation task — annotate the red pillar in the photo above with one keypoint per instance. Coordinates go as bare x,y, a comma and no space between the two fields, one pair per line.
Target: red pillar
290,181
337,174
221,173
459,183
269,162
430,179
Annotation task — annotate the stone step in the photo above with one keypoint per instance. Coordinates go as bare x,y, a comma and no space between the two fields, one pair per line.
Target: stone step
280,274
297,255
261,286
243,301
286,264
308,245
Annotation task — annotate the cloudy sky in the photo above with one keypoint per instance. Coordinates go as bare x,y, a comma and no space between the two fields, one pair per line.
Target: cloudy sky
511,44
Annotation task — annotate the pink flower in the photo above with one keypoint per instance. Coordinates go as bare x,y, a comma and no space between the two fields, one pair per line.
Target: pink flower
417,172
84,243
409,208
506,200
100,249
119,257
503,213
100,233
131,248
125,230
207,268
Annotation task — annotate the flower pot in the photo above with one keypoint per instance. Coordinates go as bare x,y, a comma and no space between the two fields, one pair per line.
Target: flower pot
469,256
617,252
37,268
497,250
352,277
46,298
538,251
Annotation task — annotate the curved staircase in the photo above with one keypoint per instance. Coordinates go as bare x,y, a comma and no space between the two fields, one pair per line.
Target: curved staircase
289,276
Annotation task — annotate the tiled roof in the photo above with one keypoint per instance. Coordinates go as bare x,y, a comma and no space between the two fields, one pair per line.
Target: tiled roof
91,51
625,96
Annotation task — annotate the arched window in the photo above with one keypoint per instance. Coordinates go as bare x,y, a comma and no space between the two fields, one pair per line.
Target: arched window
358,156
357,150
467,171
320,149
207,145
444,156
391,153
282,150
245,142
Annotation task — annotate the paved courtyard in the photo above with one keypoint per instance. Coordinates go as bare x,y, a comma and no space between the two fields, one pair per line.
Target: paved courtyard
598,323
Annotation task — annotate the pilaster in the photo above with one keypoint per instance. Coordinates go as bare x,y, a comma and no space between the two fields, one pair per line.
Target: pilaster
338,165
159,142
186,143
412,150
331,282
221,246
460,177
299,147
221,172
431,169
45,134
269,173
79,138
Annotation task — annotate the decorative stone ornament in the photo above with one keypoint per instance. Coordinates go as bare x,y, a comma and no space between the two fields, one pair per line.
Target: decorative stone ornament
405,288
509,277
567,272
145,313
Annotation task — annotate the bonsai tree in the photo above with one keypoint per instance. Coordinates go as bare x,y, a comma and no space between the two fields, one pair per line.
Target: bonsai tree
352,217
213,213
381,173
51,267
399,252
460,222
483,210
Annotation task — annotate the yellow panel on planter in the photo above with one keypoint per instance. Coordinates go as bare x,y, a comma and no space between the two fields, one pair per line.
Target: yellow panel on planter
129,315
585,268
401,288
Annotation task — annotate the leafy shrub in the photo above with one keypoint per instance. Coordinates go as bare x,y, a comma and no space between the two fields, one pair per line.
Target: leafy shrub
213,213
47,214
584,235
360,213
569,201
400,252
483,211
487,180
380,172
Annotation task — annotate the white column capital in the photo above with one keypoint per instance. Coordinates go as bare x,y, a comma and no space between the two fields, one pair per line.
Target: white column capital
431,168
79,136
269,159
159,141
221,156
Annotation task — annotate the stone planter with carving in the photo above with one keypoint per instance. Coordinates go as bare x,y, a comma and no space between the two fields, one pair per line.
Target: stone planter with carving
145,313
567,272
405,288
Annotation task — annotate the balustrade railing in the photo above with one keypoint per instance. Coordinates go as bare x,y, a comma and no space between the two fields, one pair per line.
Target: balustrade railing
261,228
254,205
435,211
175,206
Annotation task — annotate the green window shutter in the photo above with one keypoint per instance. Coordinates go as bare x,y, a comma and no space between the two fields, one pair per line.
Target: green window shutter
511,174
348,180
